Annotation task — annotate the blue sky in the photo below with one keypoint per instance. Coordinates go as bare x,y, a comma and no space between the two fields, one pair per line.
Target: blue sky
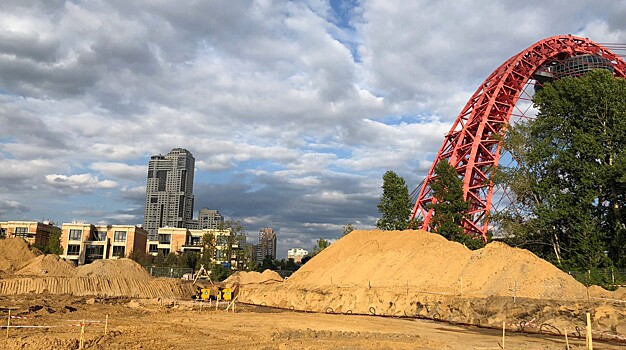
293,109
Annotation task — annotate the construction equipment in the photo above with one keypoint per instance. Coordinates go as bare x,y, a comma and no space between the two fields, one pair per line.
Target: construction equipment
202,273
218,294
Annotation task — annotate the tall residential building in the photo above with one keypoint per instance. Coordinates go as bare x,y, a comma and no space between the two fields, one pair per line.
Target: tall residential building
267,245
210,219
169,191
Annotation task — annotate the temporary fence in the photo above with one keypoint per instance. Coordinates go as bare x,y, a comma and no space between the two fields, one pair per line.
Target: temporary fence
167,271
30,322
607,278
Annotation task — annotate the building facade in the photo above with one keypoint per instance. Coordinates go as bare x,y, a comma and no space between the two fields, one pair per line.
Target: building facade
210,219
84,243
297,254
34,232
181,240
169,191
266,245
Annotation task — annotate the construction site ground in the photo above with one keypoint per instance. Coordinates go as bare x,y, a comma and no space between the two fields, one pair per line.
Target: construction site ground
167,324
368,290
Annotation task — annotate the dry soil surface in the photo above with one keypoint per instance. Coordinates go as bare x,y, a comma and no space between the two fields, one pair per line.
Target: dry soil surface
158,324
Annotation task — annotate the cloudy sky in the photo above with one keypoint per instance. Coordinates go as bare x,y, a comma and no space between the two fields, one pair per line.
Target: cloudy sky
293,109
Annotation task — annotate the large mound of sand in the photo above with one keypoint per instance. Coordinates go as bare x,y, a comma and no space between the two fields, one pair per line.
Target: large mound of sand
14,254
48,265
124,268
420,274
252,277
428,262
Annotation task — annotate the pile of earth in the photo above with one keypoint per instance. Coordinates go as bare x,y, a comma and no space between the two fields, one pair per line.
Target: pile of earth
252,277
420,274
126,268
48,265
26,271
15,254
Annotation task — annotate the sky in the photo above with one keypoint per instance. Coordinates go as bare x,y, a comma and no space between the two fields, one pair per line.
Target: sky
293,110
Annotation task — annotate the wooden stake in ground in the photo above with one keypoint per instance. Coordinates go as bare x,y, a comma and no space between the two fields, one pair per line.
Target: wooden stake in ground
503,333
566,341
589,337
81,342
8,323
106,324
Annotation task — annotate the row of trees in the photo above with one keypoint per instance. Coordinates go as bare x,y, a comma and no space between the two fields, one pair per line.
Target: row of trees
568,186
450,205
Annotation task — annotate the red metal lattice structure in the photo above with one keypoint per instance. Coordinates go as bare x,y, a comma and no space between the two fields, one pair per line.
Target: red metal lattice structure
473,144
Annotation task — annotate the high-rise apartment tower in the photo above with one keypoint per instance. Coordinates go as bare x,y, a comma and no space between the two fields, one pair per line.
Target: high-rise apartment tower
267,245
169,191
210,218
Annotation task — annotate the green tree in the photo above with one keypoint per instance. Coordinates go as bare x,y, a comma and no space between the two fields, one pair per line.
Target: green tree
208,252
235,241
54,244
267,264
347,229
395,203
450,206
569,186
321,245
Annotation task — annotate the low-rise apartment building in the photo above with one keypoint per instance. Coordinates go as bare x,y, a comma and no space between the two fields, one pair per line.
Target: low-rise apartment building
84,243
297,254
34,232
179,240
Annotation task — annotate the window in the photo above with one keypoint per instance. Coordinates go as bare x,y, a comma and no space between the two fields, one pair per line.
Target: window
153,248
100,236
119,251
21,231
73,249
165,239
75,235
94,252
119,236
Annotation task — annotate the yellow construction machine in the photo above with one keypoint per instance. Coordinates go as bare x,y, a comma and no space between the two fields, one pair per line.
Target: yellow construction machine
213,293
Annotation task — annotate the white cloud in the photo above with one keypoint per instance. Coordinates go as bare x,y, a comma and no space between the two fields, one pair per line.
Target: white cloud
276,100
120,170
79,182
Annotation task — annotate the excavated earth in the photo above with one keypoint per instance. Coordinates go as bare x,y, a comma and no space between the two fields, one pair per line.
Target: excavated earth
422,275
410,277
24,272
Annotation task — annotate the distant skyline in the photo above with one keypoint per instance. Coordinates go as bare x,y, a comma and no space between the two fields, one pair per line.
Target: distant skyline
293,110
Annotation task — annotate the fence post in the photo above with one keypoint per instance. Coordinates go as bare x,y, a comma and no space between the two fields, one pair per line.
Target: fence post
515,290
8,323
612,276
106,324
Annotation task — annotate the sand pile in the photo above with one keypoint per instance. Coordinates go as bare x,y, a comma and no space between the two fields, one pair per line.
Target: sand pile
48,265
124,268
420,274
428,262
52,275
253,277
14,254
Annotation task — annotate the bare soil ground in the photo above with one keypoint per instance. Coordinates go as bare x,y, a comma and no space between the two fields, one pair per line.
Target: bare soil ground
158,324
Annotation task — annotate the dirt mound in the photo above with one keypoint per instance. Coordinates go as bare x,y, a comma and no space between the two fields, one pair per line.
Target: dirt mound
48,265
428,262
98,286
420,274
14,254
243,277
124,268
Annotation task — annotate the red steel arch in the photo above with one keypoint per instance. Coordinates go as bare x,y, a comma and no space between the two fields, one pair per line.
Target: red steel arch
472,146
